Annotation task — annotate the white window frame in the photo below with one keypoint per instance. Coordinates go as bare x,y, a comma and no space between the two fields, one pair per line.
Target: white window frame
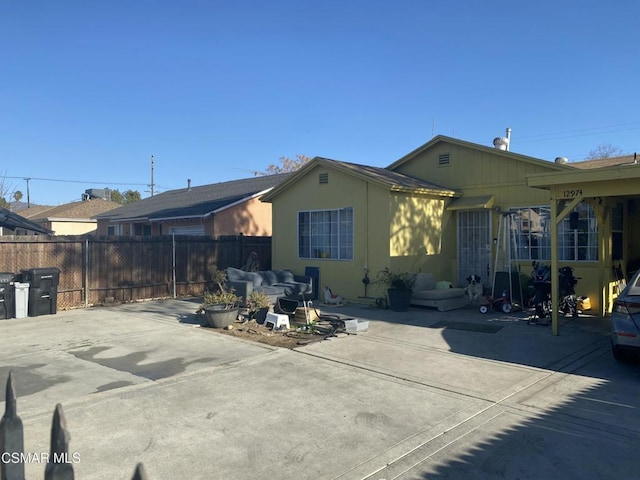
581,244
116,229
326,234
534,242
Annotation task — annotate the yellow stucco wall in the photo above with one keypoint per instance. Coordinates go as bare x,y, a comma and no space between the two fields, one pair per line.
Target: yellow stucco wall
413,232
475,173
480,172
72,228
406,232
371,212
422,237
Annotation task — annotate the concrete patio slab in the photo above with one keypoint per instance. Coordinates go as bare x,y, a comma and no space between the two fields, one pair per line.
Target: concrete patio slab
421,394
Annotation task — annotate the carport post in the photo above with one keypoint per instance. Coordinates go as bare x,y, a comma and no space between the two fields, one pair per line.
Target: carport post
557,218
173,262
554,265
86,272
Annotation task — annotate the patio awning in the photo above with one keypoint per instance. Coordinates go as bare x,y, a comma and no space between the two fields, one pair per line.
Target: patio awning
12,221
471,203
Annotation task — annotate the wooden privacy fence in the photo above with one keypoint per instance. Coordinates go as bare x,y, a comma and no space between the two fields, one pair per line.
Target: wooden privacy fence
95,270
59,462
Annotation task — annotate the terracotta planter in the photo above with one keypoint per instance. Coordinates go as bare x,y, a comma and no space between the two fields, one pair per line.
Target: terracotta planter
220,317
399,299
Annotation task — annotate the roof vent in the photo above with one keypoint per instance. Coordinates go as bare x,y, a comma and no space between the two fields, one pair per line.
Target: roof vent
561,160
323,178
444,159
502,143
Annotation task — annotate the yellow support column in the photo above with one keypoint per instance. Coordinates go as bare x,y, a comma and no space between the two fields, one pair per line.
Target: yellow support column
554,265
568,205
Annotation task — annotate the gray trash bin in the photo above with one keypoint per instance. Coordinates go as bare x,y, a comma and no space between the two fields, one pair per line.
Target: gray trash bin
21,297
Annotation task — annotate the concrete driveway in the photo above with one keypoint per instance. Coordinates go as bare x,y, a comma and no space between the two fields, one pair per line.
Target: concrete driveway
421,394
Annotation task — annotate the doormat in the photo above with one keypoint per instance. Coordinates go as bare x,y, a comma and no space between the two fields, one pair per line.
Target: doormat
469,327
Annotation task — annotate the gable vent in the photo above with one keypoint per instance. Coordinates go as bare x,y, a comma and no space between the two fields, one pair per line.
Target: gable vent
323,178
444,159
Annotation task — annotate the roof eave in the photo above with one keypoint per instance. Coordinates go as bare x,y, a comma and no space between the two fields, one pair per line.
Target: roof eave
274,191
238,202
63,219
547,180
424,191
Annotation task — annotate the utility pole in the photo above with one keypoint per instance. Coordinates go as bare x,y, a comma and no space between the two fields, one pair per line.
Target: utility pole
28,197
151,175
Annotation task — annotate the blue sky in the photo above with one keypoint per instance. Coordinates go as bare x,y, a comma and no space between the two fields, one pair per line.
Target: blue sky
215,90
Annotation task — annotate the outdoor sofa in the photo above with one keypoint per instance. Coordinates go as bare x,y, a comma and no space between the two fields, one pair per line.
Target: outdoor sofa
427,294
274,283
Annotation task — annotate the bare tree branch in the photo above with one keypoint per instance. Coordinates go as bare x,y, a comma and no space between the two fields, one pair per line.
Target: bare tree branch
287,165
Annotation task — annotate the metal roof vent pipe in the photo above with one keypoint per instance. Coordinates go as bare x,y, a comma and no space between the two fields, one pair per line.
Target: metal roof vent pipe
502,143
188,184
561,160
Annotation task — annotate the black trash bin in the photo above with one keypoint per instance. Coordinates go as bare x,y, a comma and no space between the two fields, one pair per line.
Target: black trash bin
7,296
43,290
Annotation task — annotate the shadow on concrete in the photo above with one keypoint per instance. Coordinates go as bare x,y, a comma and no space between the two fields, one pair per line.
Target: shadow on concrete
32,378
593,434
133,363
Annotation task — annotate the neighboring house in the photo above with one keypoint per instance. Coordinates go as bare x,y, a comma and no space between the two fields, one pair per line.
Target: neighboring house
75,218
226,208
438,209
22,209
11,221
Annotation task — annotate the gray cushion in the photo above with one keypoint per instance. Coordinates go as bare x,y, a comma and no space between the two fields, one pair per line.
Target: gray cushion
284,276
424,281
236,275
271,289
294,288
268,277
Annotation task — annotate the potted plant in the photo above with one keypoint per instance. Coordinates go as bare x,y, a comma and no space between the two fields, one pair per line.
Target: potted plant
258,304
399,288
220,307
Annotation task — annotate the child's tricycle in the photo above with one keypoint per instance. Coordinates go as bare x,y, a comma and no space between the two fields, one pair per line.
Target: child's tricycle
501,304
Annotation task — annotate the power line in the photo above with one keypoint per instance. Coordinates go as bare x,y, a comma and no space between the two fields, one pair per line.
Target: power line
579,133
81,181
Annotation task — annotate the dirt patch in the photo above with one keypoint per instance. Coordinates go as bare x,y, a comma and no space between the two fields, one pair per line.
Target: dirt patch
293,338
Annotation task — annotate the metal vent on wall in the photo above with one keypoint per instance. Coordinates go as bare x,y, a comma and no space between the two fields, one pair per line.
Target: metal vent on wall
323,178
444,159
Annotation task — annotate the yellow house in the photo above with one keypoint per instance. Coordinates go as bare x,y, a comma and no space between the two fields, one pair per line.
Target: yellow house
450,207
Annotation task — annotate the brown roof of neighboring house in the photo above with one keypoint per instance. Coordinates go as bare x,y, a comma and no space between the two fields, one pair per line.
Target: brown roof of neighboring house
76,210
603,162
33,210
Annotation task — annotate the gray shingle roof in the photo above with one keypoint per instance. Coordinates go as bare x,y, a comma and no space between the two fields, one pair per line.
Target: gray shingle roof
393,179
604,162
195,201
